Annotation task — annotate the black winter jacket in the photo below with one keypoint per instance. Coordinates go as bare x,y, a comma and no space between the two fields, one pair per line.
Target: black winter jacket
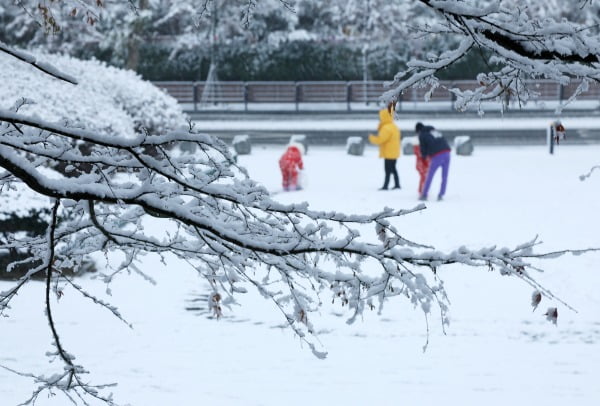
431,142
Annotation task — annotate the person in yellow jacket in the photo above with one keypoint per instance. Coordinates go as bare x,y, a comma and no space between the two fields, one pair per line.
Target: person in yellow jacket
388,139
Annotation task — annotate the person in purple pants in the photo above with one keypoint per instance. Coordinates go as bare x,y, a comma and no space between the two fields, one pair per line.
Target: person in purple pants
434,146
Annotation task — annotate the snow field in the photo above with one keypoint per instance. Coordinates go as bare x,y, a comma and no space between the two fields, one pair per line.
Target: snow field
496,351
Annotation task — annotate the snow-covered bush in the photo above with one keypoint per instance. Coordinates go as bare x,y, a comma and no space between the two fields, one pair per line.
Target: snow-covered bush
106,99
111,101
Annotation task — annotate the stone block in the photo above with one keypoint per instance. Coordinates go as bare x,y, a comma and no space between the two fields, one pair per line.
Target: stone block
407,145
241,144
355,146
463,145
300,139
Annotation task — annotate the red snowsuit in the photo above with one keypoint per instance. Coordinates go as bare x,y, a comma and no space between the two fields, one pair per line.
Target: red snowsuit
289,161
422,167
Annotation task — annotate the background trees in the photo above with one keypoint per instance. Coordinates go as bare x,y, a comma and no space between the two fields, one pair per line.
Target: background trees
175,40
166,40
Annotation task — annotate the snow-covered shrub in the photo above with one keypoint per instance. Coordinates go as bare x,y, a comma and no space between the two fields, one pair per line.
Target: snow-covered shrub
107,99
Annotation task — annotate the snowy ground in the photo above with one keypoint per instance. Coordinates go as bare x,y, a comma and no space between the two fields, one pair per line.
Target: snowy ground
496,351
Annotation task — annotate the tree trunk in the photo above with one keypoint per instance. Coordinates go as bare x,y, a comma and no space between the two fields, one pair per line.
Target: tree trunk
135,39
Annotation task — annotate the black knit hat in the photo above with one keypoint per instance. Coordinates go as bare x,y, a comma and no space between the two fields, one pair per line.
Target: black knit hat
418,126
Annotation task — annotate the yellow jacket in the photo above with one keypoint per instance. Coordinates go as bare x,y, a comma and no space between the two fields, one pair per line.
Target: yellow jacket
388,136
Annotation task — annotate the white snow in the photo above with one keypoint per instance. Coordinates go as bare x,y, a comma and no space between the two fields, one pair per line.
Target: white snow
496,351
461,139
240,138
354,140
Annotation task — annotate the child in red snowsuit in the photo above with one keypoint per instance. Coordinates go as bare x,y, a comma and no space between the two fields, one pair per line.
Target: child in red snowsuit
288,163
422,167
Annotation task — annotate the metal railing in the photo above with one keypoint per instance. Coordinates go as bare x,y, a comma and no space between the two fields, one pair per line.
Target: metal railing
351,95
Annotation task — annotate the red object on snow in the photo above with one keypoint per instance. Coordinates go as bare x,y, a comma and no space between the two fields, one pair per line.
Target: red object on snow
422,167
289,163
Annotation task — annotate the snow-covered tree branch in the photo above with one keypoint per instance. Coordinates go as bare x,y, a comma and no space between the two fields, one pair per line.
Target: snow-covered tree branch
42,66
517,45
219,221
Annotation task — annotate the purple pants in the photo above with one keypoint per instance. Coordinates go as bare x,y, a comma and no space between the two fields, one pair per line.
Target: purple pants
440,160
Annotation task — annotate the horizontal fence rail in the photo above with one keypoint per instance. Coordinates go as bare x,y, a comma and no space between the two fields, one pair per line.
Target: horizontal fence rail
199,96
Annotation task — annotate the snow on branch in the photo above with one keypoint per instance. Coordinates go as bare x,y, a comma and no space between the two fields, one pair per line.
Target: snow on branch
221,222
42,66
515,47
